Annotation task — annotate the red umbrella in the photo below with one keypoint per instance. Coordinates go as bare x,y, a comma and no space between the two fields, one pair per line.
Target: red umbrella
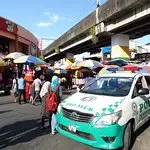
131,67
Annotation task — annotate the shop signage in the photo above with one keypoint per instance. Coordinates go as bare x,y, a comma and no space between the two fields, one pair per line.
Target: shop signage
8,25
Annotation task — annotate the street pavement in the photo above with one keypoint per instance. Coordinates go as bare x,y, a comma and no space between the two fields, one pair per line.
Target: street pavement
20,130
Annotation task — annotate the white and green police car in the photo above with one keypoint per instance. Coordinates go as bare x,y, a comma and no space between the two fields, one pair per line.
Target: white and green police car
106,112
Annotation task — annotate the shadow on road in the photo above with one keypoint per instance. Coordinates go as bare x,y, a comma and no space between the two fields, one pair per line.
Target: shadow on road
140,131
9,99
4,94
20,132
2,112
66,92
5,103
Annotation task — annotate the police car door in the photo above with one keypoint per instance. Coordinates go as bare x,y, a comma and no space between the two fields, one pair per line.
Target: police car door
147,77
139,102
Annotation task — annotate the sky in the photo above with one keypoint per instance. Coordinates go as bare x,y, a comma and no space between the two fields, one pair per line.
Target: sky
48,18
144,40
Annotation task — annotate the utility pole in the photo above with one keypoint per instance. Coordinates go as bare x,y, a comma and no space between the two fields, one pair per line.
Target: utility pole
97,10
98,3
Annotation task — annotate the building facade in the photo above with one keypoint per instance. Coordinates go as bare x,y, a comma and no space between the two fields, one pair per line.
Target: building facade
15,38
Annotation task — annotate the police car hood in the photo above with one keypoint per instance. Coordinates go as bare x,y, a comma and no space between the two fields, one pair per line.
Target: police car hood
93,104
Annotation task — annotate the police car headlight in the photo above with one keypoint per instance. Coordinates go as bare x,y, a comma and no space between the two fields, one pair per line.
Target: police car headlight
59,108
109,119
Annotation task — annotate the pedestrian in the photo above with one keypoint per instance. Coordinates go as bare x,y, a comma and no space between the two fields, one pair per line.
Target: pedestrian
52,115
69,80
27,90
37,83
42,78
21,89
14,88
43,94
32,93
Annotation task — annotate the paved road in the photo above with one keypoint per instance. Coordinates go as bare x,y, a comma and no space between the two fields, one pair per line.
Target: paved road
20,130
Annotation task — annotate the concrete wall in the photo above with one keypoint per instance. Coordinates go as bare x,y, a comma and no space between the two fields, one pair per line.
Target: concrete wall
22,32
113,8
12,45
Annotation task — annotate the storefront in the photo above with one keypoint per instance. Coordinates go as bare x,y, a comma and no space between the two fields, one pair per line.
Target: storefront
14,37
4,46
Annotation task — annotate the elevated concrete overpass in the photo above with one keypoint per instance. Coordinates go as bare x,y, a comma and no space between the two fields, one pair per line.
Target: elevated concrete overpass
123,17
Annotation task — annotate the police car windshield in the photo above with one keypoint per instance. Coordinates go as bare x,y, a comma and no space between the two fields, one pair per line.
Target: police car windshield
109,86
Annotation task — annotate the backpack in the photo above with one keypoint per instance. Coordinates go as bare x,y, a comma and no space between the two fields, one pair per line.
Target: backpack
52,101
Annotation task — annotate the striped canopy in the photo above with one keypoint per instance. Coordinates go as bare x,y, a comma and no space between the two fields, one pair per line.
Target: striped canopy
90,64
14,55
29,59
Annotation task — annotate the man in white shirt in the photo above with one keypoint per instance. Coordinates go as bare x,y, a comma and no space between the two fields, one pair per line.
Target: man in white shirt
37,83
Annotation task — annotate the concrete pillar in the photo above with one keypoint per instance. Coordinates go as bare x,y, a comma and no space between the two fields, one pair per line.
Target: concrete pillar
16,43
12,46
120,47
69,58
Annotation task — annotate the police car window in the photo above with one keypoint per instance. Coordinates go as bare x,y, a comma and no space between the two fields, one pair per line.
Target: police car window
138,86
148,81
110,86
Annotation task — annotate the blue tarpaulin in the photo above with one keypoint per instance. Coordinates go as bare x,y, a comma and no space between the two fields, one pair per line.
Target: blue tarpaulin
106,49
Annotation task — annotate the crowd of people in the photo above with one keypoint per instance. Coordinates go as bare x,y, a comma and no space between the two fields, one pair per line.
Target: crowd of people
36,86
36,90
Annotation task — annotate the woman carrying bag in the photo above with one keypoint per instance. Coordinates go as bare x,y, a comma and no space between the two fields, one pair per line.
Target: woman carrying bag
52,102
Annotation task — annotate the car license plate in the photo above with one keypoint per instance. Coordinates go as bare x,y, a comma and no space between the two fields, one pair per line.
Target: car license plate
72,128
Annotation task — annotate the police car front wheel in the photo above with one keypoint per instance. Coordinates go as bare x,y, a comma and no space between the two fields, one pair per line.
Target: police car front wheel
128,137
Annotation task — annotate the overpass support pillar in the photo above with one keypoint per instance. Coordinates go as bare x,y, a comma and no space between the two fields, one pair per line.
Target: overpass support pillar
120,47
69,58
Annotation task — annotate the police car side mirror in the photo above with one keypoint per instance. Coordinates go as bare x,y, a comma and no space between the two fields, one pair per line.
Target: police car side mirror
143,91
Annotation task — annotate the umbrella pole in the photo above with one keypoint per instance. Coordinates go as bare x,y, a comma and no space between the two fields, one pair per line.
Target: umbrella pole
16,71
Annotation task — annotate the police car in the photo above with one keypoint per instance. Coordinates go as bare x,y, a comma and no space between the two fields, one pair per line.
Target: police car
106,112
